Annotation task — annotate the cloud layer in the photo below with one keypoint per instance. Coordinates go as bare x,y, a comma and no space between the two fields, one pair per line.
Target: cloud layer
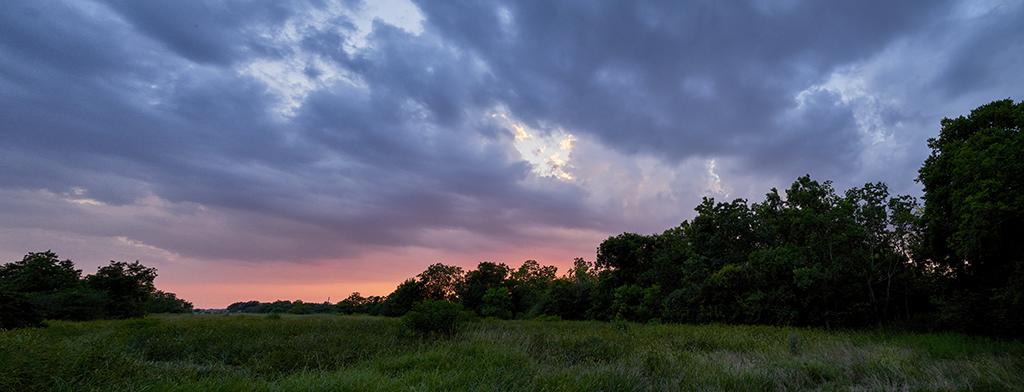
353,133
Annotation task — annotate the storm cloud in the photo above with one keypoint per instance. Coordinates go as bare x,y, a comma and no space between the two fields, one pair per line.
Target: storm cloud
244,131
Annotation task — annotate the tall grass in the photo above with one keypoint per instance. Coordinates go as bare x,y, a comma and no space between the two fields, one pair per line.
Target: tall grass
340,353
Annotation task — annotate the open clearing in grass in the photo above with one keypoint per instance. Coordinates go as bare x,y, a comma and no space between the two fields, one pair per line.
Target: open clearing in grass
346,353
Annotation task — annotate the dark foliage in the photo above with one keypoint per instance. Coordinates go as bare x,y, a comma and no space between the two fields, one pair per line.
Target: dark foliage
41,272
41,286
973,221
128,286
162,302
283,306
17,311
435,317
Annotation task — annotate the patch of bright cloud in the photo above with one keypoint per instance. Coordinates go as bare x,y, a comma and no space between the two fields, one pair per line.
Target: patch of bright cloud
549,153
77,196
295,75
714,184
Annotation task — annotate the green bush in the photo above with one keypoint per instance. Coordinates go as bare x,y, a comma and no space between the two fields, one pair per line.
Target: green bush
17,311
497,303
435,317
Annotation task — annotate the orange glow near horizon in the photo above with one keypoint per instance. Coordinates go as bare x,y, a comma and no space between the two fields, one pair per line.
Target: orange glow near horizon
217,285
219,296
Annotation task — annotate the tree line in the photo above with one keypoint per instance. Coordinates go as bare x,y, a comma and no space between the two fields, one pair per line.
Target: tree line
811,256
41,287
814,257
282,306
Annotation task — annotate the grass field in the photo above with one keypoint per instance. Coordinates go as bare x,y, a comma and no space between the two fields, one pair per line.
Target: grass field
348,353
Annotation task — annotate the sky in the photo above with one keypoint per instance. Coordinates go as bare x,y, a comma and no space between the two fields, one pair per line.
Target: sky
264,150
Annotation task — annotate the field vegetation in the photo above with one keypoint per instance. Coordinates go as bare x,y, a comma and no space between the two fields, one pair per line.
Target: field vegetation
362,353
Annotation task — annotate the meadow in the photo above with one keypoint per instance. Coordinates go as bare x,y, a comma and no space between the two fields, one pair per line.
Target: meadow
362,353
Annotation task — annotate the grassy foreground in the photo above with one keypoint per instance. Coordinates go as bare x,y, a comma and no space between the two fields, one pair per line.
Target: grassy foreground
344,353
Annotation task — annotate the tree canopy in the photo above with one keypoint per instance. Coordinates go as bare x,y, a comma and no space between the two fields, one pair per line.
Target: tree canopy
973,221
40,272
41,286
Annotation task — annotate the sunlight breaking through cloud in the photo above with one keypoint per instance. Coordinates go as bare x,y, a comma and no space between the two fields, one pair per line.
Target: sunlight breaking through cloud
549,155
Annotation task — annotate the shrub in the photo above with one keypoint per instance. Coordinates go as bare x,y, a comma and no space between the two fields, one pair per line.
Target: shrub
497,303
17,311
434,317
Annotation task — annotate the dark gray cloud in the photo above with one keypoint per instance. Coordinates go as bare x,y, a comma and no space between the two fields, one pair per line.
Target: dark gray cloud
673,78
276,131
208,32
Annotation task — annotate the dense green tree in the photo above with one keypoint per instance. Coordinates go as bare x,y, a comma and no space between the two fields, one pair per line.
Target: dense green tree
672,249
569,296
813,257
497,303
626,257
128,288
164,302
582,271
56,290
622,260
534,274
18,311
278,306
435,317
79,303
528,285
442,282
636,303
374,305
720,234
974,217
53,286
41,272
719,239
888,227
400,301
353,304
486,276
244,307
299,307
821,224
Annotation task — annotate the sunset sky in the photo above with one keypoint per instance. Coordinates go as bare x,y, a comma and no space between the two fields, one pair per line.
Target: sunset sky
263,150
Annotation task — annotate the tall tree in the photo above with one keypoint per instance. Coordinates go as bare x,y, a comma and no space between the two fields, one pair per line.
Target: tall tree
974,216
486,276
54,287
442,282
528,284
626,257
400,301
